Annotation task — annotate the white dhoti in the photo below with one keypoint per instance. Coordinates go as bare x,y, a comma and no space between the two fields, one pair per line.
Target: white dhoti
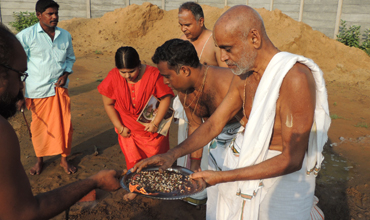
217,151
285,197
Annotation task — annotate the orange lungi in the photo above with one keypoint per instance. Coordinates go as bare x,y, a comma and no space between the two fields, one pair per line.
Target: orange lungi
51,125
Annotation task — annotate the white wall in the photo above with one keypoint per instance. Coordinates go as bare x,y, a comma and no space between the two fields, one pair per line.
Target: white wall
321,15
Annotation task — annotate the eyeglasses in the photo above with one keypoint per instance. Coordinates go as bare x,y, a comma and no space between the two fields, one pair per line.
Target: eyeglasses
22,75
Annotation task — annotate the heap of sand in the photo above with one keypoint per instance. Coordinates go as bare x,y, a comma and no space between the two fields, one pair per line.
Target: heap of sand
146,27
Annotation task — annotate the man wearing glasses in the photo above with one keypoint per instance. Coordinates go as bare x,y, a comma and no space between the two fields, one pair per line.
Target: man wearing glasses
16,198
50,60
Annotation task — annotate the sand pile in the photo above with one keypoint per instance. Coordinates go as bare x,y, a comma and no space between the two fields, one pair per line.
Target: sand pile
146,27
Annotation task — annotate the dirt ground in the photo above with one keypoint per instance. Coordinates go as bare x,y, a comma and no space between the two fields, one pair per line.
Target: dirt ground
342,184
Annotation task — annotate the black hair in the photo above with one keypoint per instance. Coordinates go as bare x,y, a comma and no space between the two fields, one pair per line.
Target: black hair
195,9
42,5
127,57
6,44
177,53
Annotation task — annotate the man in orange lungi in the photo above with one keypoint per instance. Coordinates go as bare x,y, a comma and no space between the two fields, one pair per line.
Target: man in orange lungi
50,60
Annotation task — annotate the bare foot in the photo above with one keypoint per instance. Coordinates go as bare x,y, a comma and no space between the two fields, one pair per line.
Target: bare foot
68,168
37,168
129,196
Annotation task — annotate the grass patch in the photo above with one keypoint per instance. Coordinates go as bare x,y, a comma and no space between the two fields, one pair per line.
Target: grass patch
361,125
335,116
98,52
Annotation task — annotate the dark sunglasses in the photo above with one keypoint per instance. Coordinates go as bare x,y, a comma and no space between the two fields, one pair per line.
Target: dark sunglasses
22,75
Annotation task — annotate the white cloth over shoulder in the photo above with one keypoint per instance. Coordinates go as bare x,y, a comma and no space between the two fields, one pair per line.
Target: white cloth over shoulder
257,135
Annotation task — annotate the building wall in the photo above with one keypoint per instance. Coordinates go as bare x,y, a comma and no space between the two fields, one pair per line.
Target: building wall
321,15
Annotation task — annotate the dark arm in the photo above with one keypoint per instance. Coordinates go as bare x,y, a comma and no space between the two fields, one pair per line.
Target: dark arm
16,198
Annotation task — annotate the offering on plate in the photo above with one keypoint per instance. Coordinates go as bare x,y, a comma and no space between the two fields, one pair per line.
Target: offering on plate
152,182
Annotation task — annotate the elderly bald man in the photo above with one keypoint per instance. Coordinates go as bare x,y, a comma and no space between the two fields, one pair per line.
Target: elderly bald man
269,172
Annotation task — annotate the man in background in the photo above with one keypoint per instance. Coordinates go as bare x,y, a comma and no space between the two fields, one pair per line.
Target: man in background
16,198
50,60
191,20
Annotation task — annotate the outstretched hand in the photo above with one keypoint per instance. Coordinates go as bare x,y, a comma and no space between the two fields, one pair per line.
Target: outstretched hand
210,177
163,161
108,180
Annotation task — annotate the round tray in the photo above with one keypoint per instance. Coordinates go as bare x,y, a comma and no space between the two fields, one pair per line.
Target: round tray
198,184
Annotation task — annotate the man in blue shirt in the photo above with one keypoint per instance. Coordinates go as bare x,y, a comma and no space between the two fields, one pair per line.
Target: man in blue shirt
50,60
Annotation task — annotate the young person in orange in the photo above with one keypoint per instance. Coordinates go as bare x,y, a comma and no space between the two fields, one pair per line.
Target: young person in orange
126,90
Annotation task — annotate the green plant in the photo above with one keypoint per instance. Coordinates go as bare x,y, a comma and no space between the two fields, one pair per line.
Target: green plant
98,52
335,116
349,36
366,41
362,125
335,104
23,20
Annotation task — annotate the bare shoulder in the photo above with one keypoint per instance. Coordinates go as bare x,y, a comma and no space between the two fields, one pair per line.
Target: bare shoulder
221,74
298,91
9,146
15,189
298,78
183,37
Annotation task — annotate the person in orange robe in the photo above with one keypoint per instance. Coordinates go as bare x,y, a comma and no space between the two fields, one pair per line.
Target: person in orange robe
125,91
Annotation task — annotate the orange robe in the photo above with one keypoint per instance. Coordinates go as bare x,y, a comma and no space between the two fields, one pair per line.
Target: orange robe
130,100
51,125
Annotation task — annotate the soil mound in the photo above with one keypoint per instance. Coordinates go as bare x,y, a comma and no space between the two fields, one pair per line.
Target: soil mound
146,27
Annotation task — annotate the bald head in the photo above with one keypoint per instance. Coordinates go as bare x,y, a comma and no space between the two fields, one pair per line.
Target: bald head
239,21
241,36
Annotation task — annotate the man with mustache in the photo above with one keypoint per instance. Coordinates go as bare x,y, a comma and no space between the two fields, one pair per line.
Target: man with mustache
16,197
50,60
201,89
191,20
269,172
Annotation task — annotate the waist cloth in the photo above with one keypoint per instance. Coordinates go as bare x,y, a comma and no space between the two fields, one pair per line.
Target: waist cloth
51,125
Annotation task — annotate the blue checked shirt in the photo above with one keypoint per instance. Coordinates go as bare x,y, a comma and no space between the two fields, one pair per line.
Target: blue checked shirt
47,60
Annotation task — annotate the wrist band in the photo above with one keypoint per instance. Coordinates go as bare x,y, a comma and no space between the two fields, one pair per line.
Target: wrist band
195,158
121,130
155,125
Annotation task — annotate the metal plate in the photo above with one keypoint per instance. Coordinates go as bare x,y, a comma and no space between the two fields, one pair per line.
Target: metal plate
198,185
